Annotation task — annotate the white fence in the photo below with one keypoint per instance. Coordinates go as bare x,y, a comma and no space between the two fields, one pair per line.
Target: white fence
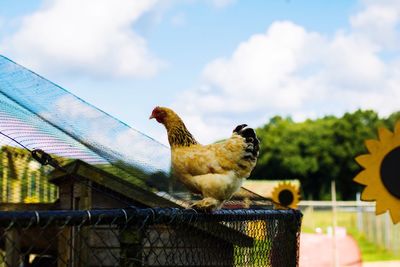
356,215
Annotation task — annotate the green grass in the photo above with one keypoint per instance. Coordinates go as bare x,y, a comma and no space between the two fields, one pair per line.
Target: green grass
323,219
370,251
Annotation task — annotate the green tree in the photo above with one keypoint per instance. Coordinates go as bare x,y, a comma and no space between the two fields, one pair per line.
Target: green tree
317,151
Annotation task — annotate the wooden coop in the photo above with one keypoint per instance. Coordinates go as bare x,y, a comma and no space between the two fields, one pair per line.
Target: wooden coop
86,187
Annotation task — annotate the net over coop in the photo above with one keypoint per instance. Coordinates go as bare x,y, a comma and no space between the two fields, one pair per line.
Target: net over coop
80,188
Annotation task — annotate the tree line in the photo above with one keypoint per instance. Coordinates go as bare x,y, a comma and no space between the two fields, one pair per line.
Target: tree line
318,151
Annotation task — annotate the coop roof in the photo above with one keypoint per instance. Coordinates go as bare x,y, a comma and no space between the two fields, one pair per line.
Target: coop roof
99,175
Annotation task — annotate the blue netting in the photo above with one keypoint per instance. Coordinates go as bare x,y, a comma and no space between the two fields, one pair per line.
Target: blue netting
41,115
36,103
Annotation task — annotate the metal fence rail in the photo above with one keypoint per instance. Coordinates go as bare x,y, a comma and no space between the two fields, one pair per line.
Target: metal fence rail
150,237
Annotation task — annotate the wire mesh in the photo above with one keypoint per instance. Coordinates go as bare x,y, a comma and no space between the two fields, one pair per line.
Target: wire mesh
77,185
149,237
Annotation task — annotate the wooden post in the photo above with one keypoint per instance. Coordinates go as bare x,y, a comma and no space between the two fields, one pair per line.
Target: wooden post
81,233
65,241
73,246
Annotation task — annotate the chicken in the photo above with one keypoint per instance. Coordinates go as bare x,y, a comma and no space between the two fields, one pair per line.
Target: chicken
215,171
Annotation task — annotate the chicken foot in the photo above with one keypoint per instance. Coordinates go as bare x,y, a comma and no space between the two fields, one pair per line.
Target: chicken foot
206,204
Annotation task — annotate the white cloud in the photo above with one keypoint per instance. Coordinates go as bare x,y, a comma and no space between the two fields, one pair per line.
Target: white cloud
377,22
94,37
262,64
289,70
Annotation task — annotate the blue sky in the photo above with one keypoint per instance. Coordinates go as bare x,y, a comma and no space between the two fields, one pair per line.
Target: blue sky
218,63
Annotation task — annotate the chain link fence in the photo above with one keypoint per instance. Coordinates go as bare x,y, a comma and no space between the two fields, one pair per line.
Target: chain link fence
150,237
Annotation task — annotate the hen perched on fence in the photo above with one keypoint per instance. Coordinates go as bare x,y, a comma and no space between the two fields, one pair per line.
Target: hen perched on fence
215,171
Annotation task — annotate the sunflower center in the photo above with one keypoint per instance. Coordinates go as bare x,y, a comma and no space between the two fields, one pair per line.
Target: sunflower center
390,172
285,197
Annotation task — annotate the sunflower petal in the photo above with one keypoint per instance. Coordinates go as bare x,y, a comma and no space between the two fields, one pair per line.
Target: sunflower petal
384,134
397,127
372,145
364,160
362,178
395,215
380,208
369,194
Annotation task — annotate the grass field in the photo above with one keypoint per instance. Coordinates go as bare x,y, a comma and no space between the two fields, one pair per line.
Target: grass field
323,219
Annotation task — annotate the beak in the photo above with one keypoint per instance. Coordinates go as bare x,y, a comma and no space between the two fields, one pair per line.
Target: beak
151,117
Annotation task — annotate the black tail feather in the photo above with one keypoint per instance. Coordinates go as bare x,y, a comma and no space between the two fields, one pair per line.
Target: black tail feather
248,133
239,128
251,138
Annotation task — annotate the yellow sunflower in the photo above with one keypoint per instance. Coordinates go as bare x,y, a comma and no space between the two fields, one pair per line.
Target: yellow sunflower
286,194
381,174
